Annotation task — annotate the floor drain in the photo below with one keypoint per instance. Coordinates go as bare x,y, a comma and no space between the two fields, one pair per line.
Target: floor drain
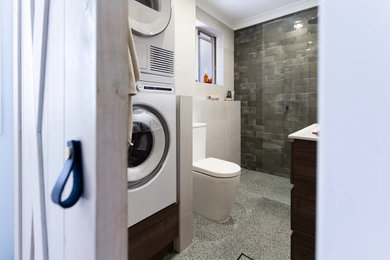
244,257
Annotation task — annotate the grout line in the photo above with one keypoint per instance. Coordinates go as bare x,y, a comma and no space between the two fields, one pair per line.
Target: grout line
278,201
243,171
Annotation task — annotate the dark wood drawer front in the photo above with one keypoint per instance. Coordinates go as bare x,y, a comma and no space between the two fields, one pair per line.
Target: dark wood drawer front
303,199
304,164
302,247
303,210
151,236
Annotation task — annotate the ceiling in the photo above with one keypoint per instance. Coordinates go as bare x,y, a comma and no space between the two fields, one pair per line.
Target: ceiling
238,14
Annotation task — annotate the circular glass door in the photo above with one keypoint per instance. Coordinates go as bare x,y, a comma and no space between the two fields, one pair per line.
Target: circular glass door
149,148
149,17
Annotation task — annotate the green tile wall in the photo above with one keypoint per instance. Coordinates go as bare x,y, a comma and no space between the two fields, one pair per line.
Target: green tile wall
275,79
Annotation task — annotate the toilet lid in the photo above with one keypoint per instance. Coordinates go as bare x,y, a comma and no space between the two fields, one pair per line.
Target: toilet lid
217,168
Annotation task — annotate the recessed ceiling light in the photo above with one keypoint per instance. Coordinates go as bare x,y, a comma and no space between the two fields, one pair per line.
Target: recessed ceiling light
298,25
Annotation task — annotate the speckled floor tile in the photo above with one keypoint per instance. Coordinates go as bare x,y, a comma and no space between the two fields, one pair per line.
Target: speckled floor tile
259,225
266,185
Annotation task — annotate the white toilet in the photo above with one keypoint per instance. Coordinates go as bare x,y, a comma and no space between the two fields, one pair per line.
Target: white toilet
215,181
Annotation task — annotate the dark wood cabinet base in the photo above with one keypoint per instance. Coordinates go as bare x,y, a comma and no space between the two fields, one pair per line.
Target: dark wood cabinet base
303,199
302,247
153,237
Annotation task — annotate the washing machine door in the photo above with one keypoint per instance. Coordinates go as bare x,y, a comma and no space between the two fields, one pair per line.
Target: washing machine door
149,148
149,17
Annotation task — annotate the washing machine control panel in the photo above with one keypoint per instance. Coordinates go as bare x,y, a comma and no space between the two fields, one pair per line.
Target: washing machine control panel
155,88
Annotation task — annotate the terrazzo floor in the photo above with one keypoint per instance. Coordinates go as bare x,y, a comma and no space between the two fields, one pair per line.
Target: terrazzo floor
259,226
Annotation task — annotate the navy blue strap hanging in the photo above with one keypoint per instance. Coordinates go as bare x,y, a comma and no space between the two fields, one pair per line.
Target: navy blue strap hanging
72,164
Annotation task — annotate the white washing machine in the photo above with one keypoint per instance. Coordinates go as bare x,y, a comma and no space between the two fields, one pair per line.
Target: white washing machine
152,157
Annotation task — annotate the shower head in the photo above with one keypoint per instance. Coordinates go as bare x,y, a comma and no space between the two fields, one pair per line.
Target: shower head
313,20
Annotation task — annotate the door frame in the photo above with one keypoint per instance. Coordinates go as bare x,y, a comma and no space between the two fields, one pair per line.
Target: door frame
111,123
17,132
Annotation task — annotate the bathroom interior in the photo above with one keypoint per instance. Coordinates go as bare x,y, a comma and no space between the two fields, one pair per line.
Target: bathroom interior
188,129
244,78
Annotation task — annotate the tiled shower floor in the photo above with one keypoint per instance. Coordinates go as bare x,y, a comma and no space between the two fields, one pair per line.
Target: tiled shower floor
259,226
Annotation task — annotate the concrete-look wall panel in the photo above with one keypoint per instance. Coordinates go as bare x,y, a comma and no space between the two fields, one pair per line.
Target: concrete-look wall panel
184,166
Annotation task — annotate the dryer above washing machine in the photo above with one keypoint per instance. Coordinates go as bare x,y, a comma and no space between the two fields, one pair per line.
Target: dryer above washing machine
152,22
149,17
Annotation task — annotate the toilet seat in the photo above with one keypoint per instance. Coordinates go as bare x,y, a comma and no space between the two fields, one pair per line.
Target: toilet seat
217,168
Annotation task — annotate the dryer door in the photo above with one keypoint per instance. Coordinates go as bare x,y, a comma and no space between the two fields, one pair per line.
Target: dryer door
150,144
149,17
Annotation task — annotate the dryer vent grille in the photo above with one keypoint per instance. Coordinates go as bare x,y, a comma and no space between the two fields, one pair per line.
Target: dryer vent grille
161,60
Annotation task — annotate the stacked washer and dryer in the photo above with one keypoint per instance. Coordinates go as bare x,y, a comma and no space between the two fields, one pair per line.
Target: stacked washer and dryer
152,155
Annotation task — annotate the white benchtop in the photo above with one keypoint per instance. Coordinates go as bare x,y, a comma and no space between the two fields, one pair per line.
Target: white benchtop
306,133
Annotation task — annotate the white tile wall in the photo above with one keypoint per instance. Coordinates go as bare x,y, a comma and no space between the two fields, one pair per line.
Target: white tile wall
223,132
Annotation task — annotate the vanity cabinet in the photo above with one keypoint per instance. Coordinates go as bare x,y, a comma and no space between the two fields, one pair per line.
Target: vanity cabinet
303,199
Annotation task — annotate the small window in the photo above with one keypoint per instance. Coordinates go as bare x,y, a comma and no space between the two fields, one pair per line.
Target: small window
206,57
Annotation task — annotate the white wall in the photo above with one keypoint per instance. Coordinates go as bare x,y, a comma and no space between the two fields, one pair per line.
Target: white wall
185,47
186,14
223,118
225,57
214,113
6,136
353,219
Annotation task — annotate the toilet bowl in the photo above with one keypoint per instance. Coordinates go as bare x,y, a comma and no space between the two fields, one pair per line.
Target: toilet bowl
215,181
215,188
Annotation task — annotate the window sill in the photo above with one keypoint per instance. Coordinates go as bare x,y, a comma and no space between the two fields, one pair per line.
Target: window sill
201,84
